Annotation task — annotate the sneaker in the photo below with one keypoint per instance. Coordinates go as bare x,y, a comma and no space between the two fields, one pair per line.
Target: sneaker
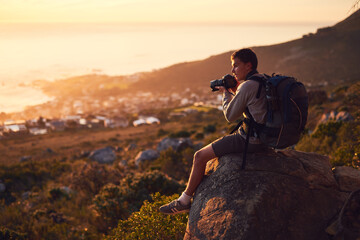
174,207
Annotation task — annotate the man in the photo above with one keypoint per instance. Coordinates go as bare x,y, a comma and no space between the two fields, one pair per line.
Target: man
235,102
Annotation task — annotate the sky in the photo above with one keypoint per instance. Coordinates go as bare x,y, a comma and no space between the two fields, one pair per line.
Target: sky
207,11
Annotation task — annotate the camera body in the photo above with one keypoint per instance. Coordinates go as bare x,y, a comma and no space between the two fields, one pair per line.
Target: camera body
228,81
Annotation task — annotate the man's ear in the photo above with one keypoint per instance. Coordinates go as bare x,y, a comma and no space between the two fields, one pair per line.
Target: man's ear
248,66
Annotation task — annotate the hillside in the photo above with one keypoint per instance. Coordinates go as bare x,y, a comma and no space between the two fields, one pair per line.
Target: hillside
328,57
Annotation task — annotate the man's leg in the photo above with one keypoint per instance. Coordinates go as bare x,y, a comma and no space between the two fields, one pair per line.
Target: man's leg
201,157
228,144
182,204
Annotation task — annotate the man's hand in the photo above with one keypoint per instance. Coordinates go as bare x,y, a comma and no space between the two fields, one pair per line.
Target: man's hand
221,88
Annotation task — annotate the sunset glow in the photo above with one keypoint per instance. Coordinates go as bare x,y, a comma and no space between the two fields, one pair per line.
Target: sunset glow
173,11
58,39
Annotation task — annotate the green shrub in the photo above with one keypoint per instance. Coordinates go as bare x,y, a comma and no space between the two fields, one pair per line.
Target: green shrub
175,164
199,136
327,129
210,128
180,134
150,224
161,132
339,140
91,177
57,193
27,175
7,234
116,202
343,156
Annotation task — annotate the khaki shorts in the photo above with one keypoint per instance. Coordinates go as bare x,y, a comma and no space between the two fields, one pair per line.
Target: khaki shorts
234,143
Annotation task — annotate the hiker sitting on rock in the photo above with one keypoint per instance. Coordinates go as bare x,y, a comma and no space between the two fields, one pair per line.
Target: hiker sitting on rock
236,101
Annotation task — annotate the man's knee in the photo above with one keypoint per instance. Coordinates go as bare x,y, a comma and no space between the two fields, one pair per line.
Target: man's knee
202,156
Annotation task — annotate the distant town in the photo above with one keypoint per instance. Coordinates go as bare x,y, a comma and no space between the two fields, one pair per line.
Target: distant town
110,112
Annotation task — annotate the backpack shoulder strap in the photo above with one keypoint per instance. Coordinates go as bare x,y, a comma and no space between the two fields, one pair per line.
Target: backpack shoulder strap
261,79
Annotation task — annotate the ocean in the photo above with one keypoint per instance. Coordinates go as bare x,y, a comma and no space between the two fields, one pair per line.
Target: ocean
51,51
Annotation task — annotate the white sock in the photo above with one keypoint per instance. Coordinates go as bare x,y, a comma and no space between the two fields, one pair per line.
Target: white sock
184,199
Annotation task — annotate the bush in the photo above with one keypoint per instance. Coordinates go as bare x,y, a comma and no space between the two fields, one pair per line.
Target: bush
149,223
199,136
343,155
91,177
175,164
180,134
211,128
7,234
327,129
161,132
27,175
116,202
339,140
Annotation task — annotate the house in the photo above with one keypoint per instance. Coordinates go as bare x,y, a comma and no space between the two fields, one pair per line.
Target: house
117,122
38,131
146,120
56,125
184,101
139,122
15,127
152,120
95,123
72,121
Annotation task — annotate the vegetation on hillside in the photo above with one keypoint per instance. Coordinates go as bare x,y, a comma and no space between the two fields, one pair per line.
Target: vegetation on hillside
62,194
65,195
338,139
149,223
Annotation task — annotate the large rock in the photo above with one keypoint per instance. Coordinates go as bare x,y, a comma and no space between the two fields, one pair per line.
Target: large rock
348,178
176,144
103,155
336,116
279,195
25,158
2,187
147,155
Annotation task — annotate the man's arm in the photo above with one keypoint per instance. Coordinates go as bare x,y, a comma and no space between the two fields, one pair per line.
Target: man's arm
234,106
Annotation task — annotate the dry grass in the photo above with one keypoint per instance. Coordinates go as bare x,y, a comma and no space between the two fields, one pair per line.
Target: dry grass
68,143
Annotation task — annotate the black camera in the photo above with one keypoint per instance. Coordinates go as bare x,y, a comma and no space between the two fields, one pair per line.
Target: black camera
228,81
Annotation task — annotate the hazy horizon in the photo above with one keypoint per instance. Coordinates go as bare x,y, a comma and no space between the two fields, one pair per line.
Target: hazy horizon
124,37
164,11
36,51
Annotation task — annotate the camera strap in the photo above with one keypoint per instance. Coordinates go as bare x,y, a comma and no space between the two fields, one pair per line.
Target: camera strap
247,142
237,127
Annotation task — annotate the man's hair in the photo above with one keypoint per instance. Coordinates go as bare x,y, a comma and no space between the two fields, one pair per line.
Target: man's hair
246,55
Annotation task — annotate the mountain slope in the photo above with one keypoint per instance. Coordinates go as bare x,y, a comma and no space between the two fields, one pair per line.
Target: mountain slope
329,57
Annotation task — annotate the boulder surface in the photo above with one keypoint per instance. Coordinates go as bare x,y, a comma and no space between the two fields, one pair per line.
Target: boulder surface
280,195
103,155
177,144
147,155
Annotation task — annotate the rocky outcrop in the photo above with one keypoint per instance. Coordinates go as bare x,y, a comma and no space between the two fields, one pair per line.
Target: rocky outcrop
2,187
25,158
280,195
336,116
176,144
103,155
348,178
144,156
